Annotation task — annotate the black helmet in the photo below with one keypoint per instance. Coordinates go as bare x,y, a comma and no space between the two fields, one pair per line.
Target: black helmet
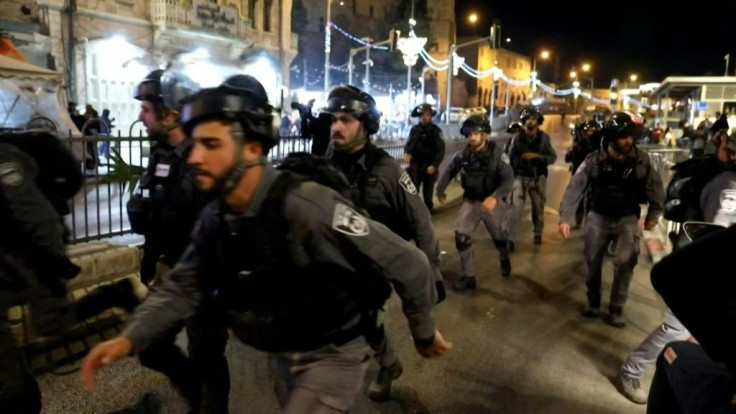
514,128
475,122
420,109
240,99
588,125
349,99
622,124
176,87
150,88
531,111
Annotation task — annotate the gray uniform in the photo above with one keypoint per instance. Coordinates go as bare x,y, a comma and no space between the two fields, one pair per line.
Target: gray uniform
530,178
717,202
390,197
320,228
617,188
484,174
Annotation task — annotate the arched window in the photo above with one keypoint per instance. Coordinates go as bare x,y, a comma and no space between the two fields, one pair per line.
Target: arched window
370,11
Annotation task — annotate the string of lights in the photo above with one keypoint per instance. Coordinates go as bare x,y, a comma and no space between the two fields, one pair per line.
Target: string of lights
355,39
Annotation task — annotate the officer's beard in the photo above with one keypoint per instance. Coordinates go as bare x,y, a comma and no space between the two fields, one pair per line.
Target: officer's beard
621,149
351,145
160,132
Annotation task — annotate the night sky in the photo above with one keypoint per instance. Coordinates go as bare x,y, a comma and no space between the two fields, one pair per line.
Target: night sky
652,39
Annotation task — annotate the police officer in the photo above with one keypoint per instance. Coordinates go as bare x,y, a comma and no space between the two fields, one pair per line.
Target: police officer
170,211
620,177
586,139
715,204
424,151
34,269
530,154
487,179
293,263
385,192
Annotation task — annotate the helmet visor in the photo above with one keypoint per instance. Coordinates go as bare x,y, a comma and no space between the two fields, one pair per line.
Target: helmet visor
351,106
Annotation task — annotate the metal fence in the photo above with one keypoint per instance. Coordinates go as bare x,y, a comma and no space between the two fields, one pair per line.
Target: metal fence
113,165
663,159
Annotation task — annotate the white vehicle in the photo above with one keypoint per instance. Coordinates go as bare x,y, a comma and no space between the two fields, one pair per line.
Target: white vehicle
455,113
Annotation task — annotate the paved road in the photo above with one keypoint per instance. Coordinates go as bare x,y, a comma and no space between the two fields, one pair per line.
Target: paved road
520,344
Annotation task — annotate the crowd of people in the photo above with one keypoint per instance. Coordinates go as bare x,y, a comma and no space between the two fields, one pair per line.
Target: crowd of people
225,231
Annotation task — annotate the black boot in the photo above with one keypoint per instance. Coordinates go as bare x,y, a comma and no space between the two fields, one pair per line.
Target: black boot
616,319
465,283
380,389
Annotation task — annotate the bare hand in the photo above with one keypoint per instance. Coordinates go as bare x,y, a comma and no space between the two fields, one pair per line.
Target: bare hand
438,348
565,230
529,155
649,225
442,198
489,204
430,170
101,355
407,158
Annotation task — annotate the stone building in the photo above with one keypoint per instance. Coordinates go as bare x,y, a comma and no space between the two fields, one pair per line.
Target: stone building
106,47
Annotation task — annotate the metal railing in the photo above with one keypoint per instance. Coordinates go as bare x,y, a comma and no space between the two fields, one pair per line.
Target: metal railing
113,165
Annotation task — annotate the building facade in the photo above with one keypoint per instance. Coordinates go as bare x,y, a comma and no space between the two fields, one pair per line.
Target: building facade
106,48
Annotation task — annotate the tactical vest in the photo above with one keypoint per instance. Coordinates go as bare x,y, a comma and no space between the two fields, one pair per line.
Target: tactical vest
617,191
534,167
478,178
276,306
424,149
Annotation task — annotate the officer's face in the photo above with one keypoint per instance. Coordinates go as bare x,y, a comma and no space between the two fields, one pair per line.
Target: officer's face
477,139
345,130
724,154
531,123
623,145
148,116
213,152
426,118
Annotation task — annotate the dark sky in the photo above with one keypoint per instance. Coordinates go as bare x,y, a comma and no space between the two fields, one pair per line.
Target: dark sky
653,39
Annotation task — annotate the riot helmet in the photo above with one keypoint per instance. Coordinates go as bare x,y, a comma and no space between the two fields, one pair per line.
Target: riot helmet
242,101
150,87
475,122
349,99
420,109
621,125
530,111
514,128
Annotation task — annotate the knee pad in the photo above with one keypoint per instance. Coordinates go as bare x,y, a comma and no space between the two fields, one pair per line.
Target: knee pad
462,242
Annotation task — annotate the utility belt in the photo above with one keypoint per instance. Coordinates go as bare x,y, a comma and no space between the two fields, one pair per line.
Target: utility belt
268,335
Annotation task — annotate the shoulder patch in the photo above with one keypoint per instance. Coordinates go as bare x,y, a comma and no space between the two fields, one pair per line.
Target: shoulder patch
407,184
10,174
505,158
348,221
581,167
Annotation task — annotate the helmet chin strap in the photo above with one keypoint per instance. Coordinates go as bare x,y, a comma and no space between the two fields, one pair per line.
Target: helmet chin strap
225,185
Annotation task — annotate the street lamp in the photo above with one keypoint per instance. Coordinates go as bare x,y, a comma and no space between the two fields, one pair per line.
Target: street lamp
586,68
410,48
473,18
544,54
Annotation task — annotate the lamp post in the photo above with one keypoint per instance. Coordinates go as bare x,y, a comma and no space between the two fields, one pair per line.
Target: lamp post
544,54
327,46
410,48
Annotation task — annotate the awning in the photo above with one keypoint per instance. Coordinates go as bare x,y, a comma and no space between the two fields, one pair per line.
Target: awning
677,87
13,68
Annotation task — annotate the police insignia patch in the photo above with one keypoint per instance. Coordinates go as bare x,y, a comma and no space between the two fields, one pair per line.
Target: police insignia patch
505,158
348,221
9,174
407,184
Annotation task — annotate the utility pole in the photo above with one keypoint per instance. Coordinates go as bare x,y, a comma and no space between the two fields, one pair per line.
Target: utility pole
367,63
355,50
327,46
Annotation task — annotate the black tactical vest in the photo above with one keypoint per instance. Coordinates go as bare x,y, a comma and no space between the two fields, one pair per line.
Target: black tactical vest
534,167
479,174
617,191
276,306
424,148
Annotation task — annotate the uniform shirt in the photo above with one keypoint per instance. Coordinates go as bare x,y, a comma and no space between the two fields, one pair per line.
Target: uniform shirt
319,222
582,181
390,197
499,167
175,199
29,224
425,145
718,199
541,144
